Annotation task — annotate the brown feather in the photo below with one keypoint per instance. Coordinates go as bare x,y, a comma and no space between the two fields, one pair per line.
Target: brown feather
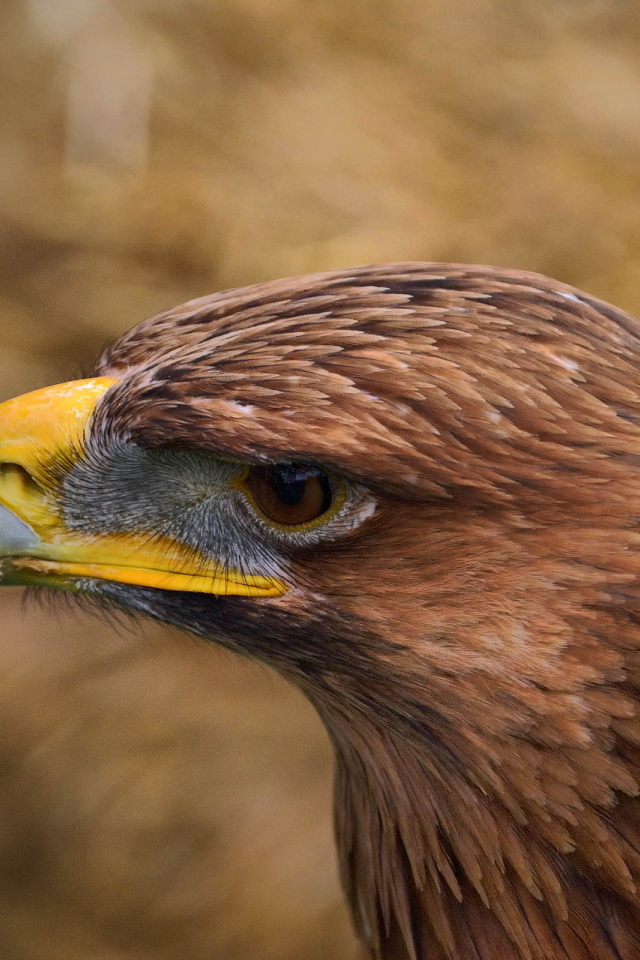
484,707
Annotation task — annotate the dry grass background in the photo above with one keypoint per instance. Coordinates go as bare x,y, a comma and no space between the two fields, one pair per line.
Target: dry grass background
160,799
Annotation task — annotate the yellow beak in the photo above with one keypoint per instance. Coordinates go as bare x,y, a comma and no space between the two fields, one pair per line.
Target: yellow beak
35,544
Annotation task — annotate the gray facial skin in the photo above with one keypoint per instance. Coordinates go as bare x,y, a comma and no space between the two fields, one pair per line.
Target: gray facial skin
185,496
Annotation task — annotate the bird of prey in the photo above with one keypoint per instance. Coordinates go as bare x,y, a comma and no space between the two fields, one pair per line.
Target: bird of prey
414,490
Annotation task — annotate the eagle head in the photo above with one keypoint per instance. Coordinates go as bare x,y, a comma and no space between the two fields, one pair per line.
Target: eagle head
412,490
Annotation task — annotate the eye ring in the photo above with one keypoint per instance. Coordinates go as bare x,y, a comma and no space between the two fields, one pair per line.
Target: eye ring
293,496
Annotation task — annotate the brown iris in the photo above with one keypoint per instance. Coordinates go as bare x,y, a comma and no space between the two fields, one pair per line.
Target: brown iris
290,494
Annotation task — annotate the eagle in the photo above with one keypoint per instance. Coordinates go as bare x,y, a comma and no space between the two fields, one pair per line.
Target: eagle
413,490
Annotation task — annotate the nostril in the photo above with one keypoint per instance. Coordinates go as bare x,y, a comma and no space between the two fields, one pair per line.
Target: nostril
17,483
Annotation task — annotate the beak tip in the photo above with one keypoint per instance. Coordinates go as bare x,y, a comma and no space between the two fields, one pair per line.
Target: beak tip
16,536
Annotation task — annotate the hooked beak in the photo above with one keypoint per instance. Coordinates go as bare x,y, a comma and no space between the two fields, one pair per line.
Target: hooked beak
36,546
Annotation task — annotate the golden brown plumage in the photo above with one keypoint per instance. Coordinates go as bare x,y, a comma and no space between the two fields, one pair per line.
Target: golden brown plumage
471,638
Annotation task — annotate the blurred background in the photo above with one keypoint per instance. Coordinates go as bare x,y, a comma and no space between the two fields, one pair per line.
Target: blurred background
158,798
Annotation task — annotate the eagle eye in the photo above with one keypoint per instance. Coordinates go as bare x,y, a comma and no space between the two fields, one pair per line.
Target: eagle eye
290,494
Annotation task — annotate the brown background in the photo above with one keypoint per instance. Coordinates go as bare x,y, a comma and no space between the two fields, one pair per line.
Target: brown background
159,798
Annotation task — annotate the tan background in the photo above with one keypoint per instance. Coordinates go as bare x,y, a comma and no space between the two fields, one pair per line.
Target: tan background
157,797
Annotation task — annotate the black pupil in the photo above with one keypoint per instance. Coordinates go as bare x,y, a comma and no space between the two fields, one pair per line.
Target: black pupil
289,483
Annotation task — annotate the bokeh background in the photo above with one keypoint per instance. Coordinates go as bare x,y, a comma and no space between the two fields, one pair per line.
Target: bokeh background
159,798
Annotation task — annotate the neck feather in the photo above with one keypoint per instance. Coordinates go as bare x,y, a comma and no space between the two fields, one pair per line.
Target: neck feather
439,863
